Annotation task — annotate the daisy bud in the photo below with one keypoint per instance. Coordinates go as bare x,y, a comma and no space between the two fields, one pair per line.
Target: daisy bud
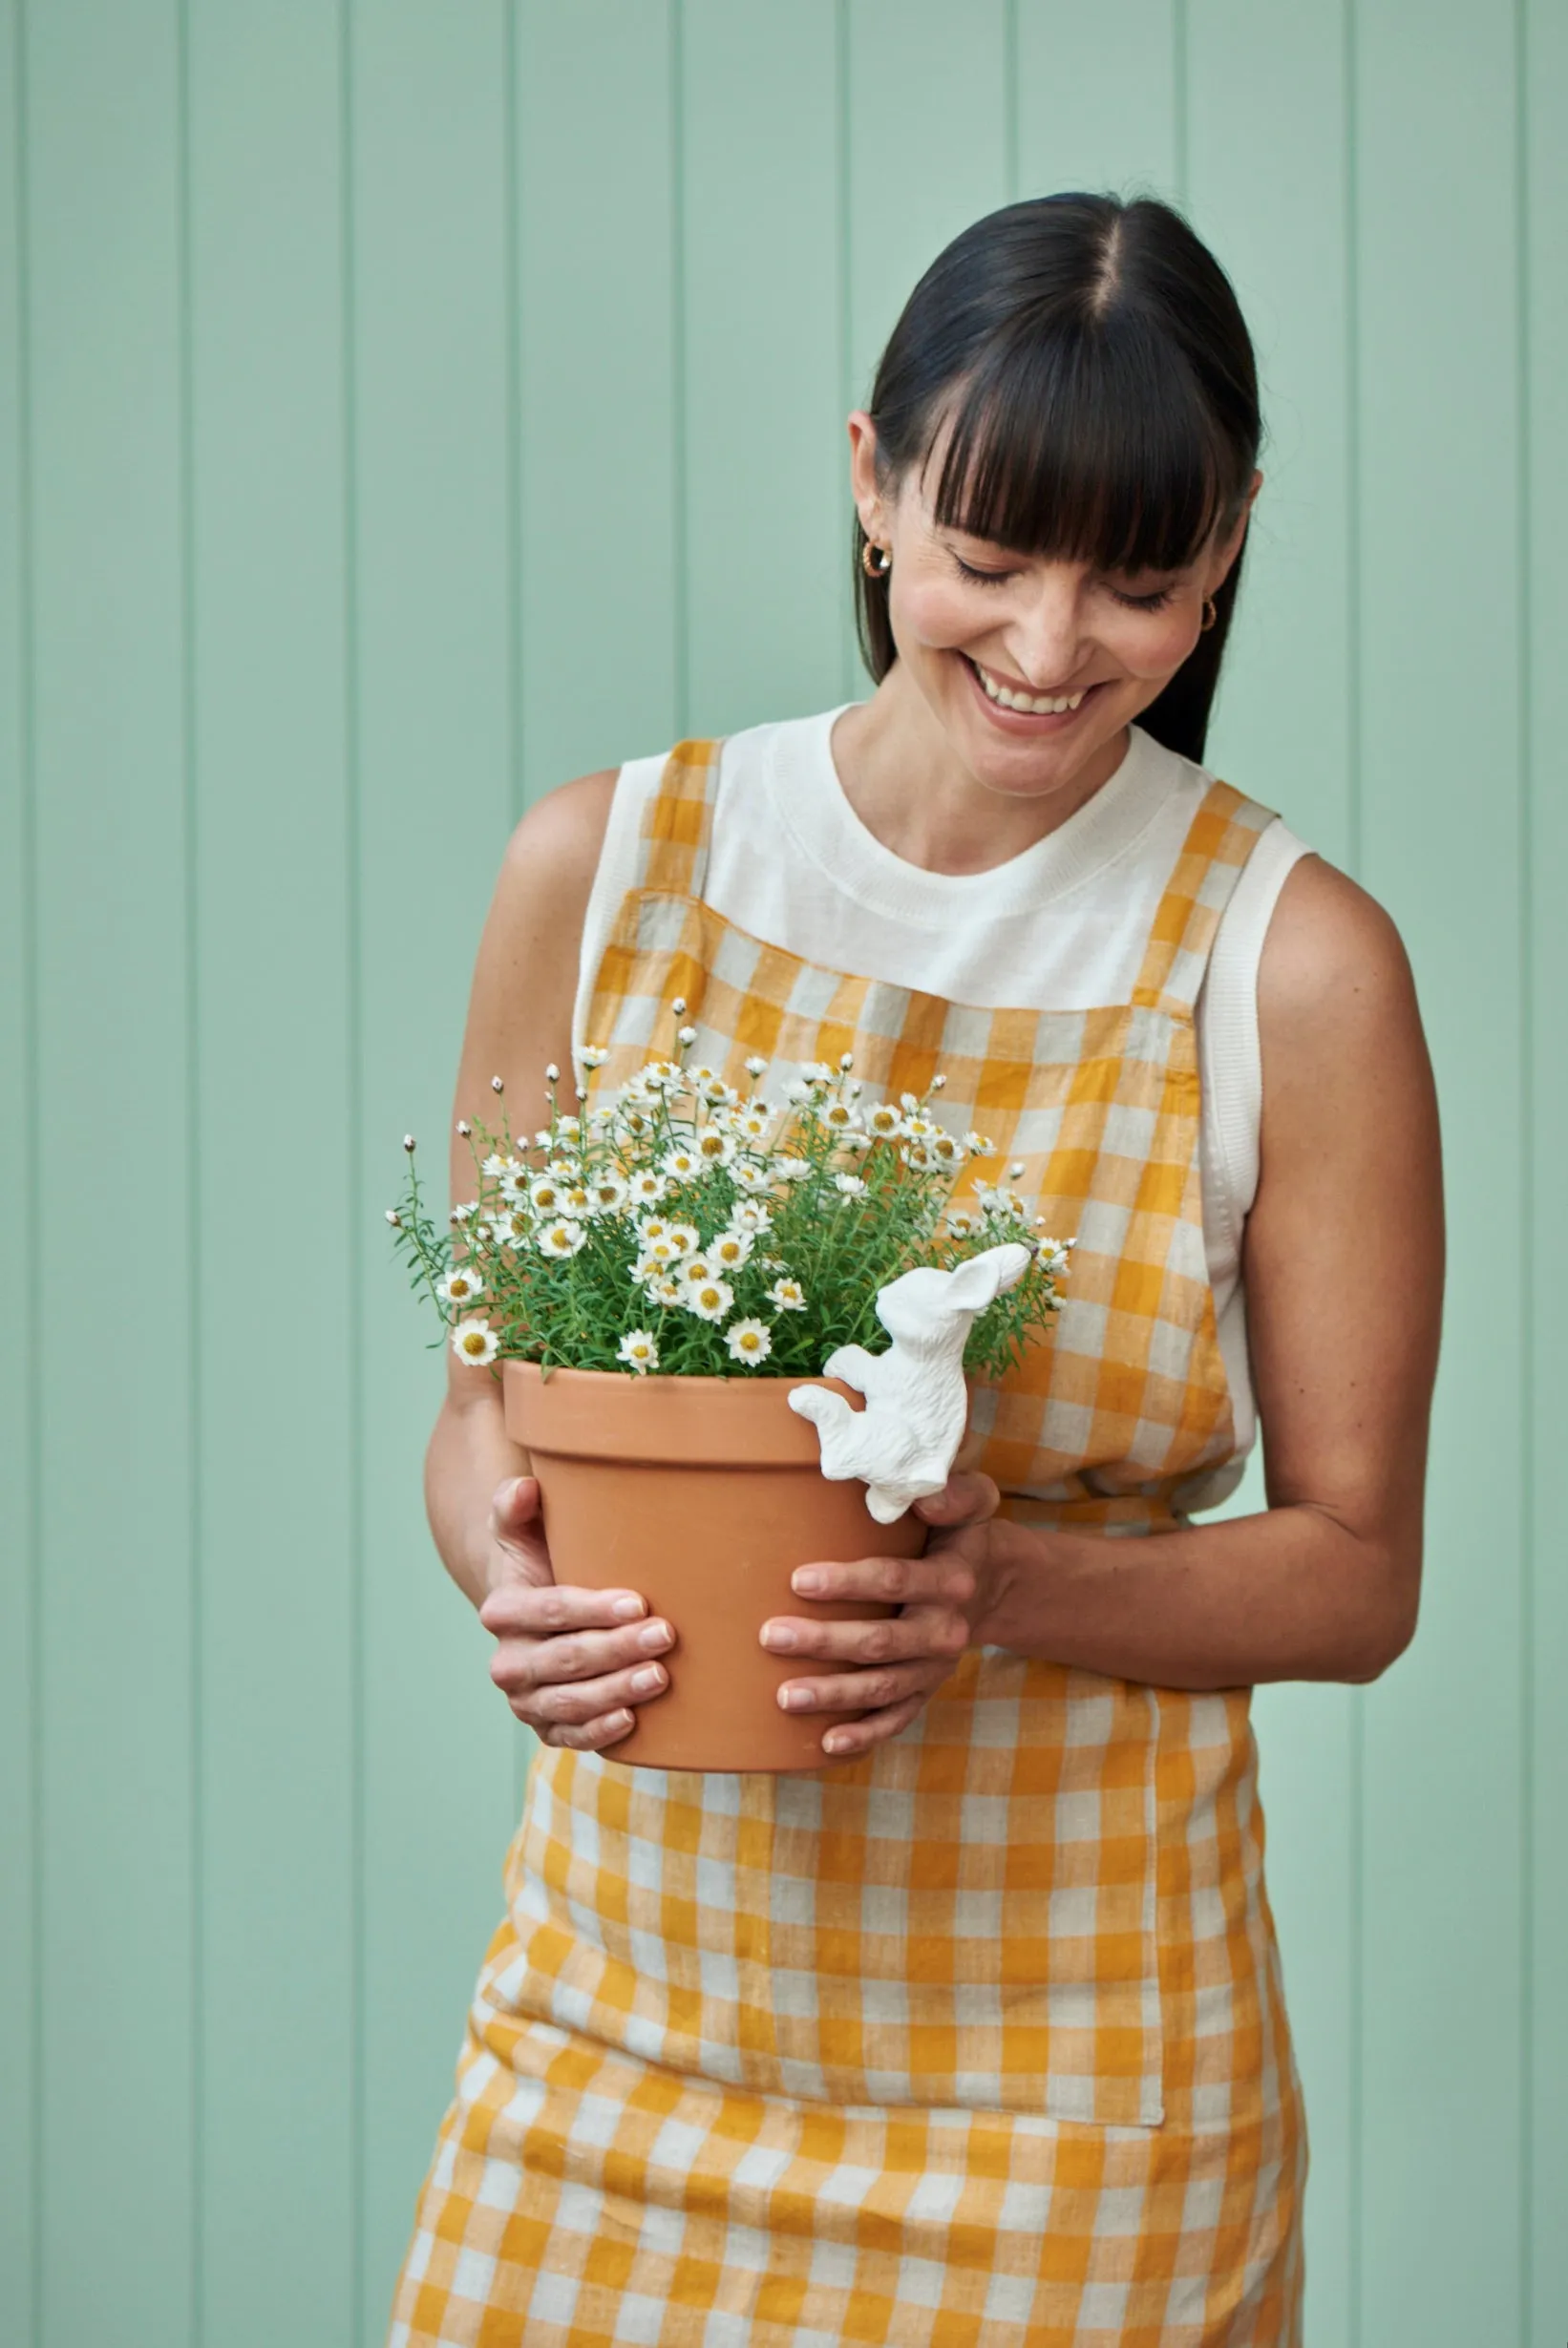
496,1084
1015,1171
936,1083
464,1128
408,1141
678,1006
688,1035
395,1219
552,1074
846,1059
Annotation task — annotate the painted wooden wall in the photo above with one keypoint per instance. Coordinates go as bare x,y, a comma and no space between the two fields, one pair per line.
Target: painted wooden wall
402,408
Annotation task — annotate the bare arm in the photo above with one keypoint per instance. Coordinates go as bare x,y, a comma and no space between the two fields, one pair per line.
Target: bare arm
567,1671
1344,1269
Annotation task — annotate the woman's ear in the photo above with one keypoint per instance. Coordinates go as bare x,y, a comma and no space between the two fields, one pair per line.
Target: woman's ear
869,502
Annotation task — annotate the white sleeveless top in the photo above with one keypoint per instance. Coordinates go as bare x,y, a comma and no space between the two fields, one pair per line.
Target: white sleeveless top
1060,927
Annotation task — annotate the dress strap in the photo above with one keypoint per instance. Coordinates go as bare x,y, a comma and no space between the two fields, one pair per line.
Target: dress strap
1220,839
678,822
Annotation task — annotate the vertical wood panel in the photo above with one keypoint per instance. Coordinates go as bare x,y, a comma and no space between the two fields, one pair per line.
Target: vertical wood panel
1544,482
602,616
929,136
1267,187
1097,97
104,143
19,1853
276,1756
767,506
436,699
1441,758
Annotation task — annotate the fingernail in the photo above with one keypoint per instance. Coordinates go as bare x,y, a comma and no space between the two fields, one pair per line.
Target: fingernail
655,1636
625,1609
779,1637
836,1741
648,1677
808,1580
793,1699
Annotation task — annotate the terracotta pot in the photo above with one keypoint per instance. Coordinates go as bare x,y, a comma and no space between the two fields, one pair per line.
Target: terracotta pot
703,1494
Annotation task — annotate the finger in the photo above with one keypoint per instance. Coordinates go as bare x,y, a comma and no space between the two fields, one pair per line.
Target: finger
897,1581
864,1691
967,1498
515,1504
920,1631
540,1609
860,1735
592,1736
576,1655
575,1704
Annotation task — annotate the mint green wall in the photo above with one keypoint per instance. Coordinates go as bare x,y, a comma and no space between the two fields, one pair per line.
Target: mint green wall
404,407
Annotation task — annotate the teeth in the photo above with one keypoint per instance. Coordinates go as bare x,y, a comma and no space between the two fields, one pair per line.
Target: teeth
1034,705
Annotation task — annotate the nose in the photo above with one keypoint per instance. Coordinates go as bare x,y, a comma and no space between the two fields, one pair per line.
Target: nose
1047,637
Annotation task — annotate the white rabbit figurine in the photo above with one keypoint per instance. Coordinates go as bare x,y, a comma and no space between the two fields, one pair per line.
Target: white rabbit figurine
904,1440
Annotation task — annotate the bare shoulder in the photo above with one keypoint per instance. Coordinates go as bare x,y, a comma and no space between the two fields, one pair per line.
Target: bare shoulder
1336,994
554,850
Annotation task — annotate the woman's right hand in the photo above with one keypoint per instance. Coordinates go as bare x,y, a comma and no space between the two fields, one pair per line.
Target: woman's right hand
571,1663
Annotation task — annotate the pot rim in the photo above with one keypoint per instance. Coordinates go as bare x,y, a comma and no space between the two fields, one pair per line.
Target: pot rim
663,1419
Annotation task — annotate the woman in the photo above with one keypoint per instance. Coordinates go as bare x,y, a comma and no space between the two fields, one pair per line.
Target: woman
977,2034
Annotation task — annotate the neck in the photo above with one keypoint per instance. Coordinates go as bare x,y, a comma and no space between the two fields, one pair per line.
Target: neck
907,785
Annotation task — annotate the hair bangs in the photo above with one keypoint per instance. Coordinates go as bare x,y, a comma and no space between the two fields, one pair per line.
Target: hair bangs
1094,445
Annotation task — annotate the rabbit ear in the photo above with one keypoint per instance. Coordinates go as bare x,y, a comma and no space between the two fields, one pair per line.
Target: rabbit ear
973,1285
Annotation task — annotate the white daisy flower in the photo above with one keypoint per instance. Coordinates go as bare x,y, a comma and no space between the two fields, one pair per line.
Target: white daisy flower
750,1215
756,1066
561,1237
495,1164
792,1168
849,1186
544,1195
750,1176
594,1055
683,1238
656,1259
711,1087
980,1144
802,1090
728,1250
638,1350
650,1227
946,1150
710,1299
749,1341
884,1121
908,1101
789,1296
694,1270
607,1193
859,1143
461,1286
842,1116
917,1153
681,1164
660,1076
666,1291
476,1341
466,1213
646,1187
513,1184
715,1147
919,1127
819,1072
753,1123
509,1229
576,1200
959,1224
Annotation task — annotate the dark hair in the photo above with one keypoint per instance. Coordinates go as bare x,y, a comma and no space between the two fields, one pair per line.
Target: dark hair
1097,372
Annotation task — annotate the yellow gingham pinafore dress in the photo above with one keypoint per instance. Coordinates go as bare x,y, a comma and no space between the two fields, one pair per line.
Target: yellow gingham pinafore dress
976,2042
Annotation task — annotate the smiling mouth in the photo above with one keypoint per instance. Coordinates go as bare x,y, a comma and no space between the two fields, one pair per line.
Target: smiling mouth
1007,696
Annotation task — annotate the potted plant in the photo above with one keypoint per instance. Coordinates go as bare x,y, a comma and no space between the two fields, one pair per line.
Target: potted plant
655,1275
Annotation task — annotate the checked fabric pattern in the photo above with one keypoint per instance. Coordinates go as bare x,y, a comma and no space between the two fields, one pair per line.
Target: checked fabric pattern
978,2038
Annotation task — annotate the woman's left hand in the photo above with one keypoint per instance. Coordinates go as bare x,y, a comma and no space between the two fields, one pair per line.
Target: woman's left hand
898,1663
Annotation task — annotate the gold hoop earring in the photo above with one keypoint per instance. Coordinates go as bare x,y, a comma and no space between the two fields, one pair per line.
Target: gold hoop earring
1211,612
875,561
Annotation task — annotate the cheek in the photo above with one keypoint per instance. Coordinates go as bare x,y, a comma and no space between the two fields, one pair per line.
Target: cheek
1151,643
935,612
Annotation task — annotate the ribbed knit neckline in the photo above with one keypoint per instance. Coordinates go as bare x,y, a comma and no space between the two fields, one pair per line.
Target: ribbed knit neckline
810,802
